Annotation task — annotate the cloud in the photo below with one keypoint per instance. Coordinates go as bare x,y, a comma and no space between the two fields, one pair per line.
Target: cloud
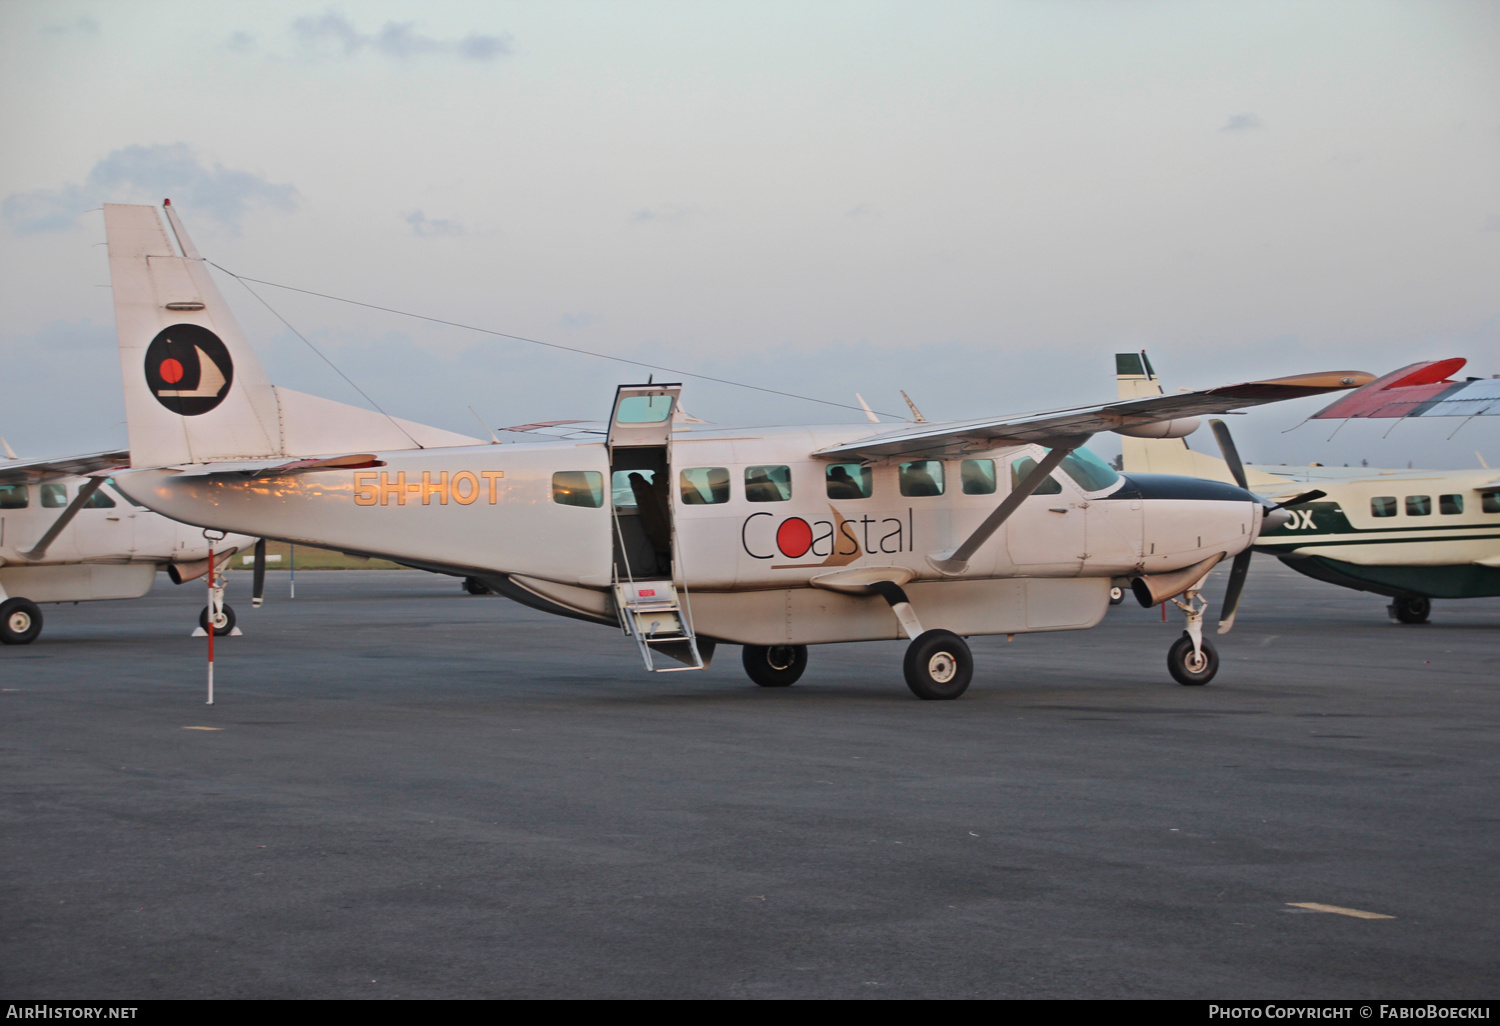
84,26
1242,123
430,227
396,39
1491,223
240,42
666,213
150,173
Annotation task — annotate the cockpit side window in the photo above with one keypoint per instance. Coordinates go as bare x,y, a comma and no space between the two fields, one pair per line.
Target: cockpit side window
14,496
768,484
54,495
848,481
99,501
1024,466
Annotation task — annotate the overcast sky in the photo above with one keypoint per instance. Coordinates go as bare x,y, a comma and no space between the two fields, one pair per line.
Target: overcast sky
977,202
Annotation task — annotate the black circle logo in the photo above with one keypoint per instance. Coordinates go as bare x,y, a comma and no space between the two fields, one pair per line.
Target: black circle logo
188,369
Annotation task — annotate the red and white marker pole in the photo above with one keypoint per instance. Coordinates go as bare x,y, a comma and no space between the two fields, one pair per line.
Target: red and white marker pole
213,620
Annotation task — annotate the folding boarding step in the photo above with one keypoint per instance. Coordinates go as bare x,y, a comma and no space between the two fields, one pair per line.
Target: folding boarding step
650,613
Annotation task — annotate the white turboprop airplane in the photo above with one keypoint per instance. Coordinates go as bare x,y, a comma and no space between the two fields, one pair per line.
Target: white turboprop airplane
771,538
1410,535
68,534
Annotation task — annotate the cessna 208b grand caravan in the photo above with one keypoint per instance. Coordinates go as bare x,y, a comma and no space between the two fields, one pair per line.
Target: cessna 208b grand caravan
771,538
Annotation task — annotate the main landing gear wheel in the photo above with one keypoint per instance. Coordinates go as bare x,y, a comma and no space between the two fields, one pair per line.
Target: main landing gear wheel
774,666
222,625
20,621
1411,609
938,666
1188,669
474,586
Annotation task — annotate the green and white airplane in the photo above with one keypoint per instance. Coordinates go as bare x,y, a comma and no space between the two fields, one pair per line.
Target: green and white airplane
1411,535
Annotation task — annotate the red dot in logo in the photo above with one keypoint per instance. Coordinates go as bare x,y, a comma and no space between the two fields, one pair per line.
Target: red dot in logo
794,537
171,371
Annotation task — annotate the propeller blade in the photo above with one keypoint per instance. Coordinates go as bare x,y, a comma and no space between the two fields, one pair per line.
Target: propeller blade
1237,573
1231,454
258,591
1297,500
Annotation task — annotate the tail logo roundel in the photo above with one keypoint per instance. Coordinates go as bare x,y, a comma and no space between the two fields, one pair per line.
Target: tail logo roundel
188,369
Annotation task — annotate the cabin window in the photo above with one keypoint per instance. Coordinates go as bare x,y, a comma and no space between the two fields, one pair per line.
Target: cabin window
1448,505
849,481
99,501
768,484
626,487
1025,465
54,496
13,496
1383,506
704,485
1091,473
578,488
1418,505
978,477
1488,501
921,477
644,409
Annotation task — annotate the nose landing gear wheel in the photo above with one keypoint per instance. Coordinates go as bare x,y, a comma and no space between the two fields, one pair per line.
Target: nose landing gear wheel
1413,609
20,621
1186,669
223,624
938,666
774,666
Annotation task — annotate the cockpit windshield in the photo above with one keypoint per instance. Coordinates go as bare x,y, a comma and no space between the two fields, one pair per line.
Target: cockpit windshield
1091,473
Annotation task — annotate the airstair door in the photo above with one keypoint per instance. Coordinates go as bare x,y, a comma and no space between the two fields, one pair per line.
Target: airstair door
652,608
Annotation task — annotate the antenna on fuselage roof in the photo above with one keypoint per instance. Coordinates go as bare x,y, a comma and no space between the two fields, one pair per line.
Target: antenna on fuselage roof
10,455
493,440
869,413
914,411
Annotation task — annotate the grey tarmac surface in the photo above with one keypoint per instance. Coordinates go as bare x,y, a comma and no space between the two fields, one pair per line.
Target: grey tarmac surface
412,792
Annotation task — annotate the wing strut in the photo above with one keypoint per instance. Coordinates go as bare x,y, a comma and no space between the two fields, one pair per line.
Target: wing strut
85,493
958,561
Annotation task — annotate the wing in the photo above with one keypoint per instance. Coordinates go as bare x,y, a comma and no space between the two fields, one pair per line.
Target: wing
27,471
1419,390
952,439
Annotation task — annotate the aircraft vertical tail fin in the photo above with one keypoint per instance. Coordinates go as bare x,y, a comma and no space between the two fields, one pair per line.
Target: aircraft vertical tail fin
1135,378
194,390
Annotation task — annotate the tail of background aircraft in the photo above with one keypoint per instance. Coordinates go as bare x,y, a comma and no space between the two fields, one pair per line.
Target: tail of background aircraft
194,390
1135,378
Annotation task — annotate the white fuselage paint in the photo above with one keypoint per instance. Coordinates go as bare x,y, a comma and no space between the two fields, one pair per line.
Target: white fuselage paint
103,552
749,576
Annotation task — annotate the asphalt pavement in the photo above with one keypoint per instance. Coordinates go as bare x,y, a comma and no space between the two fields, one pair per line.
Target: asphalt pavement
406,791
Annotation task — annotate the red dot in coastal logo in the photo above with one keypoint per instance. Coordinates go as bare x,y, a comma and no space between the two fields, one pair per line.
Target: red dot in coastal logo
794,537
171,371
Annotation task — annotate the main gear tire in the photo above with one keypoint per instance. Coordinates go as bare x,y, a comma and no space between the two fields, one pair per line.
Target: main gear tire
474,586
774,666
1190,670
20,621
224,624
1411,608
938,666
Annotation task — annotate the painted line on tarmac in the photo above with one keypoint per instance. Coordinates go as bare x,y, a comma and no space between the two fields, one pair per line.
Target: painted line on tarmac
1313,906
202,728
